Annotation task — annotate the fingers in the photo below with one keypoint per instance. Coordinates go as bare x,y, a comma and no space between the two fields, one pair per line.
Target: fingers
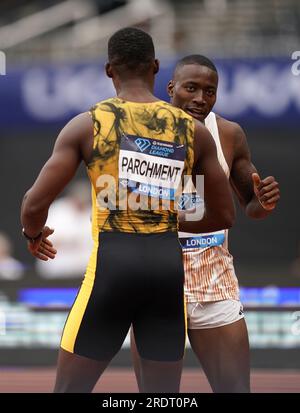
272,200
43,255
43,251
43,248
40,256
269,195
266,182
48,242
256,179
47,231
268,188
47,249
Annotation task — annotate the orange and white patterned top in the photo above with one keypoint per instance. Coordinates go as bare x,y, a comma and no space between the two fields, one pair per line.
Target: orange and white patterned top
209,270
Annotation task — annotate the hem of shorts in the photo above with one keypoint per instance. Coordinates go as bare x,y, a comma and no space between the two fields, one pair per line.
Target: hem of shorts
215,300
139,231
217,326
157,359
80,354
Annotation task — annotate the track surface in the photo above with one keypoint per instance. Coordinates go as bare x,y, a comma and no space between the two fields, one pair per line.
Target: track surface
40,380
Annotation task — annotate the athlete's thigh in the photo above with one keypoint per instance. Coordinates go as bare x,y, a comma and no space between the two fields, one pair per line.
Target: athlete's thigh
159,325
224,355
102,312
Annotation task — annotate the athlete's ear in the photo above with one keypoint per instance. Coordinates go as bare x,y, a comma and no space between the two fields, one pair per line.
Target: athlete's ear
108,70
156,66
170,88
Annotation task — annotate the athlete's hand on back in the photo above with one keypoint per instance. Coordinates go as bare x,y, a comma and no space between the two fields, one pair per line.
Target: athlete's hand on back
266,191
42,248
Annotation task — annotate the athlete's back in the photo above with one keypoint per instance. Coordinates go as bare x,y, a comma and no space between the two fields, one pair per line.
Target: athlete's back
140,152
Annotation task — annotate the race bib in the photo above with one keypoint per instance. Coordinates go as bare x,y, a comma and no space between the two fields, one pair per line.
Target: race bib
188,201
150,167
214,239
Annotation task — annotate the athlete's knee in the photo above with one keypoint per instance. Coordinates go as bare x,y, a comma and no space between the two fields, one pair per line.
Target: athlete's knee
231,387
160,377
82,385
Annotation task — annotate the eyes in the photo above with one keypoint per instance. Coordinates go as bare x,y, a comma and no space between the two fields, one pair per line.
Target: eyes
193,89
210,92
190,89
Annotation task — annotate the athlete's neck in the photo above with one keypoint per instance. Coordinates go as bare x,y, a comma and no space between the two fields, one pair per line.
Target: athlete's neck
136,90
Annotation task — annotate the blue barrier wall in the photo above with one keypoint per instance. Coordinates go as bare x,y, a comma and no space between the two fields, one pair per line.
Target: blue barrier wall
254,91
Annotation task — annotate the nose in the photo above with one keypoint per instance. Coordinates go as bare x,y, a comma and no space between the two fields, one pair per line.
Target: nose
198,99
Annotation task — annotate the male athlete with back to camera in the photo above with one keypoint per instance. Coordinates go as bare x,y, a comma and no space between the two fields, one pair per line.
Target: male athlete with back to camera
135,274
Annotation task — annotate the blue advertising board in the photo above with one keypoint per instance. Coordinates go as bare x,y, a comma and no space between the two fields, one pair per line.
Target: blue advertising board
257,91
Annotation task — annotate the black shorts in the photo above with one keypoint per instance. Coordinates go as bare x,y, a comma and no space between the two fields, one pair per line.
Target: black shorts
131,279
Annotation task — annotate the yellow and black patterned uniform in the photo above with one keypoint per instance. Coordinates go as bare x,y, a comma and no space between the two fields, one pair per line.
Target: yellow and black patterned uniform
135,274
119,124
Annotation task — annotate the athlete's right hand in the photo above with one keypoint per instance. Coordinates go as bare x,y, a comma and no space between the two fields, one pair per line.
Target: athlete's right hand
42,248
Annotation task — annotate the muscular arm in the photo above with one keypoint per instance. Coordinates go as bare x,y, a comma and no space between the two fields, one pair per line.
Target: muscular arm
219,207
251,193
70,148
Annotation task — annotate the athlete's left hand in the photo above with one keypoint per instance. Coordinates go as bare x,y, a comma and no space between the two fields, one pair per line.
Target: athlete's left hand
266,190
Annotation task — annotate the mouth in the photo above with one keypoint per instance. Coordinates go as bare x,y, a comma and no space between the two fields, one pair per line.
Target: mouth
197,113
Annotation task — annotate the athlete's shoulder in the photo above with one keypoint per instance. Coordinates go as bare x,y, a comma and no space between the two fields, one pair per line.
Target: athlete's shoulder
230,130
226,125
79,125
77,135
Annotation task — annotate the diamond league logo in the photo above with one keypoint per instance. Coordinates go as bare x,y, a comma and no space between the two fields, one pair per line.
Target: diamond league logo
183,201
142,144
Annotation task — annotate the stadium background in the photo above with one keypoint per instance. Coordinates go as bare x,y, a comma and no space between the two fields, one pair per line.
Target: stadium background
55,51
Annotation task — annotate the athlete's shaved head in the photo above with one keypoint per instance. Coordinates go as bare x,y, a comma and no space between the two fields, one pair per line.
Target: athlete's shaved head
131,49
195,59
